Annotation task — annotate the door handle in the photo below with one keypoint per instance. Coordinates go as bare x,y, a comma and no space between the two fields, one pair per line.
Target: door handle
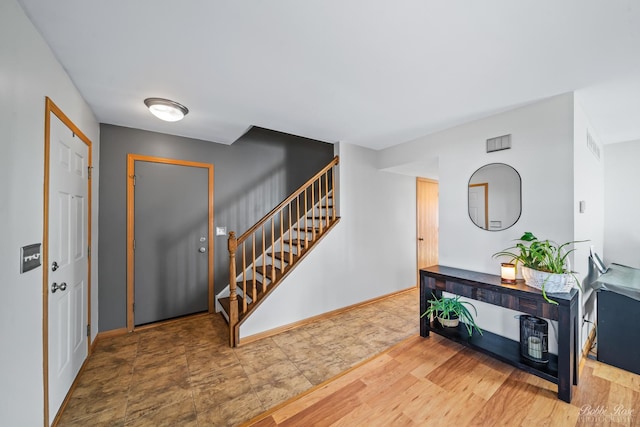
202,249
54,266
62,286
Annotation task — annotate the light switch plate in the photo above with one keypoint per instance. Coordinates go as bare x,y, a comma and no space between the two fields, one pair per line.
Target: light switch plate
29,257
583,206
221,231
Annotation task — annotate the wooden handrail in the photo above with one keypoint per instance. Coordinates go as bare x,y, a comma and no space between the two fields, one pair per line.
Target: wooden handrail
293,195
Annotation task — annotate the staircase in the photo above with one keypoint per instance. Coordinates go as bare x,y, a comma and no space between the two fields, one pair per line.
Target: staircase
266,253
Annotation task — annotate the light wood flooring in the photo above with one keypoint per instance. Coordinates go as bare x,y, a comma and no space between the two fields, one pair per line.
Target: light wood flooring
185,374
435,382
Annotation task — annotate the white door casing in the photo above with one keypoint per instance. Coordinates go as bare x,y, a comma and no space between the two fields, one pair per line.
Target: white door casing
207,245
67,281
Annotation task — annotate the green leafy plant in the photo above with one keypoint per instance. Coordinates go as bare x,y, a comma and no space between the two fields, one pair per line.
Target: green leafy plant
541,255
452,308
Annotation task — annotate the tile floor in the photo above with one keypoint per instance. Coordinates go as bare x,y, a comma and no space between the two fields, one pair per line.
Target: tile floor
185,374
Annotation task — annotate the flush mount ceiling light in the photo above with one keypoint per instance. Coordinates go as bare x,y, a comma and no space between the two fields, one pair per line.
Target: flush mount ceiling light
165,109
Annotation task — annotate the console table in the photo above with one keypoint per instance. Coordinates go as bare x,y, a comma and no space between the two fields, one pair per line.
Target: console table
561,369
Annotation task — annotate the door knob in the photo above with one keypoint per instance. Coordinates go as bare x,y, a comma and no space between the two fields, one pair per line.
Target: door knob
62,286
202,249
54,266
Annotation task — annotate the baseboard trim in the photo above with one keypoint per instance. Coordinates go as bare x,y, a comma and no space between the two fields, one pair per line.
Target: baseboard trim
67,398
170,321
280,329
110,334
587,346
123,331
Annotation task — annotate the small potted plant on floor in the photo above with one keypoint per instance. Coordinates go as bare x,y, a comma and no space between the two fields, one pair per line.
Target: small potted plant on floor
545,264
450,311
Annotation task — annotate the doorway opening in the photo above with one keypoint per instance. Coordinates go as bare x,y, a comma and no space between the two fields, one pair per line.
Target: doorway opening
427,222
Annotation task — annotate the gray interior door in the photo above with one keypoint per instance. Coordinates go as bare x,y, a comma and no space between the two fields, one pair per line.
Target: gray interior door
171,241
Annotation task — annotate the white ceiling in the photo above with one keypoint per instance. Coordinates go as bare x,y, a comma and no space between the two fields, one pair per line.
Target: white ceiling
369,72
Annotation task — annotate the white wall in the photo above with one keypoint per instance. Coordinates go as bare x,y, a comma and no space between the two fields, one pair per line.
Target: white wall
588,186
28,73
542,152
622,204
370,253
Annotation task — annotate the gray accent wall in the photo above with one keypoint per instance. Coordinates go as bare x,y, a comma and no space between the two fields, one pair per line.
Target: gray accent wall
251,177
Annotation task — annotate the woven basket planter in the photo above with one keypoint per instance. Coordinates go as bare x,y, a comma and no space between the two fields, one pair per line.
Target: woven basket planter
552,282
449,323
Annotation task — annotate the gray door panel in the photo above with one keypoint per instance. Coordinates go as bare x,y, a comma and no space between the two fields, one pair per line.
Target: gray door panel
171,215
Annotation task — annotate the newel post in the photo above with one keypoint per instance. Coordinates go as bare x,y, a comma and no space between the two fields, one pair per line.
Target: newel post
232,245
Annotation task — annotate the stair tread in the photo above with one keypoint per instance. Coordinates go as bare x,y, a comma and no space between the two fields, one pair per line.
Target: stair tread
278,272
225,302
279,255
258,287
294,242
250,280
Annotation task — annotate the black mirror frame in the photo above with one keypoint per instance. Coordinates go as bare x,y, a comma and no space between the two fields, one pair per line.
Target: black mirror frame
520,198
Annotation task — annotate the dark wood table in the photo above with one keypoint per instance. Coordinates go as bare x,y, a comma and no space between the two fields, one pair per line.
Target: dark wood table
561,369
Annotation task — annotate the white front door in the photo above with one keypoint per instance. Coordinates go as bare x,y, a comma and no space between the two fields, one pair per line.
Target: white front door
478,205
68,260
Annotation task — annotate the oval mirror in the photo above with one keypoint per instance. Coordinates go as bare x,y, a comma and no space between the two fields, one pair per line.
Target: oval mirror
495,200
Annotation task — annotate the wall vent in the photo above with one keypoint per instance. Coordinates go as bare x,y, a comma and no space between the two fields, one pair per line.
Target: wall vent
593,146
499,143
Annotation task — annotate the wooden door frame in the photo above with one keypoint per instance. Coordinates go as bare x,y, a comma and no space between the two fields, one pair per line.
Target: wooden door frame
486,202
131,160
433,181
52,108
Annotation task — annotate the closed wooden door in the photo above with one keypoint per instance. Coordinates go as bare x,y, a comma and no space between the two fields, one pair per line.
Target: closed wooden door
427,222
67,259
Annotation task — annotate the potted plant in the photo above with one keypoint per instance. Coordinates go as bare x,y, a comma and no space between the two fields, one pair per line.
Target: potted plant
449,311
545,264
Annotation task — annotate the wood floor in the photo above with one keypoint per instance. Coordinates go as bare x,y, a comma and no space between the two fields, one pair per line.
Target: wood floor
435,382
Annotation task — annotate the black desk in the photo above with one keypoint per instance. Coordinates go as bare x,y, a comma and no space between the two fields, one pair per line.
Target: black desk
561,369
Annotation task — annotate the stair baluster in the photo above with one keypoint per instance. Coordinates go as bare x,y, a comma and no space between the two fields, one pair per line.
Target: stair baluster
244,278
232,246
254,295
326,199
